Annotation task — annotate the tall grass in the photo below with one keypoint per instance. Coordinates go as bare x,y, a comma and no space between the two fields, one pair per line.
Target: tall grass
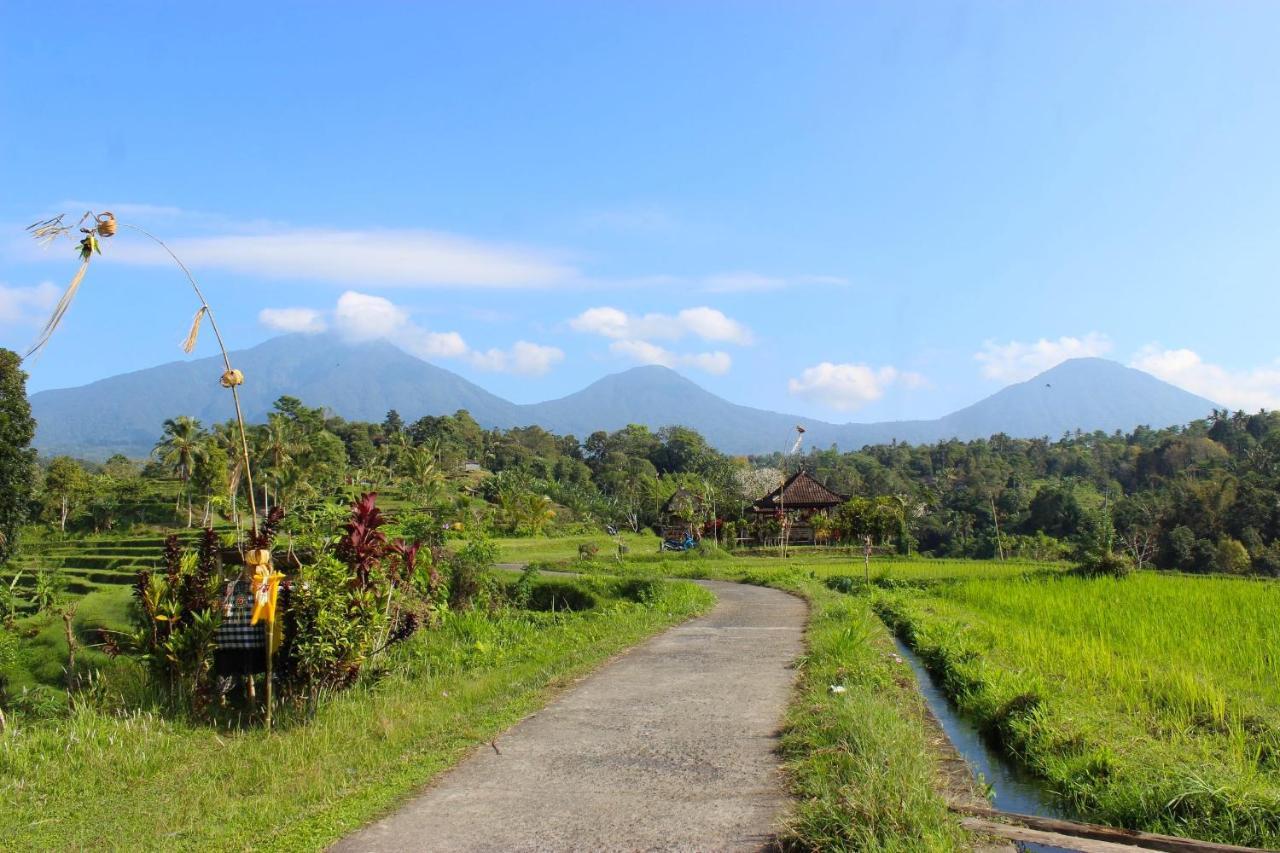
1151,702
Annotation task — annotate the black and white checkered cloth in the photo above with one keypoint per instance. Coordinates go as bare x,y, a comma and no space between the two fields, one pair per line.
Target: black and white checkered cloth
235,632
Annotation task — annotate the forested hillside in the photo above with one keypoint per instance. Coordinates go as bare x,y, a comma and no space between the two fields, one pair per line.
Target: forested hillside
1201,498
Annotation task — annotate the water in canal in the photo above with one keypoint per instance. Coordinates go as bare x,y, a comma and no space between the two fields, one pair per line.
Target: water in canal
1015,790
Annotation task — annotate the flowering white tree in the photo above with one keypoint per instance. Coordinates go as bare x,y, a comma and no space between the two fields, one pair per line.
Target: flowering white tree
755,483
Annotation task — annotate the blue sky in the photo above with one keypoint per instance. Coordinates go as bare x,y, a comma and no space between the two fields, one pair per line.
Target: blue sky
855,211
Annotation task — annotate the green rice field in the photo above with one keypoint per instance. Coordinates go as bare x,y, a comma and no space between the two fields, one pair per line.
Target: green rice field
1151,701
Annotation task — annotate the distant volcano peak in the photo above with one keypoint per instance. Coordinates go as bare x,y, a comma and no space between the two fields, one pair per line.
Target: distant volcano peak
362,381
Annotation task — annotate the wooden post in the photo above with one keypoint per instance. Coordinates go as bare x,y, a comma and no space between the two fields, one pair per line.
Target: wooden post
67,616
1083,836
270,631
782,507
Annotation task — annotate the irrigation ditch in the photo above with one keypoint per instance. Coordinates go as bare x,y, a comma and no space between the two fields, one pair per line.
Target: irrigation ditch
1011,786
1024,809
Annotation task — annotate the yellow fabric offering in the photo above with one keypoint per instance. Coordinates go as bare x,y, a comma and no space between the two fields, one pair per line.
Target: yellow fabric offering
266,590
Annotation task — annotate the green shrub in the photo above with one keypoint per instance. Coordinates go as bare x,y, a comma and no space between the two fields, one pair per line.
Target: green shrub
1232,556
641,590
708,550
1111,564
522,591
1267,561
844,583
333,626
9,599
8,657
50,584
468,570
561,596
176,623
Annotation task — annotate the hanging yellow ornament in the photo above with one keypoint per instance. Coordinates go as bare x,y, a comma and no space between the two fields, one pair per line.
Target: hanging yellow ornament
266,591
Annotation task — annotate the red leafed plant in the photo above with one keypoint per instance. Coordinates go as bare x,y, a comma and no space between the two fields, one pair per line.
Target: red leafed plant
266,535
363,546
408,554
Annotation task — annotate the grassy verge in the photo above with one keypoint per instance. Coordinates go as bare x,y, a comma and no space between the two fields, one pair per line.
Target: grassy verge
1151,702
536,549
858,760
819,564
101,779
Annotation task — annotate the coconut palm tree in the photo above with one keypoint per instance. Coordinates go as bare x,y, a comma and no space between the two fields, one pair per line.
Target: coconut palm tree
418,467
279,445
180,448
224,435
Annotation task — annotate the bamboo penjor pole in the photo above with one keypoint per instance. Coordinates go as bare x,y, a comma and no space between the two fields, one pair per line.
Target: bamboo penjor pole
231,379
105,225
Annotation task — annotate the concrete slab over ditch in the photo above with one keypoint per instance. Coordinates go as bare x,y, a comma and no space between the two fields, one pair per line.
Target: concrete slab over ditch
670,746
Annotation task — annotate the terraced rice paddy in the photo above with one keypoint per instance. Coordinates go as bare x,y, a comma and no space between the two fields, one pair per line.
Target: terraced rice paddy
92,563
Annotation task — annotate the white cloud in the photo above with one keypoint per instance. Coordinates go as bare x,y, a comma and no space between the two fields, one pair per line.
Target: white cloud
742,282
364,317
306,320
702,322
1251,390
389,257
1018,360
610,322
436,345
632,335
400,258
127,210
712,325
716,362
649,353
27,304
848,387
524,358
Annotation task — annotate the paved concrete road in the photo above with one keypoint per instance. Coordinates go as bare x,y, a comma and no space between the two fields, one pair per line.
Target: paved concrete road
668,747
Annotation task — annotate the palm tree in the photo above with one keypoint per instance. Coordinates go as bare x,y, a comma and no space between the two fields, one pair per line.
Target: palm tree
536,512
292,486
394,449
181,447
224,435
418,466
279,445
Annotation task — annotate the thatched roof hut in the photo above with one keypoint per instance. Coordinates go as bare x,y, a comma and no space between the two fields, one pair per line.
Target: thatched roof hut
799,493
682,515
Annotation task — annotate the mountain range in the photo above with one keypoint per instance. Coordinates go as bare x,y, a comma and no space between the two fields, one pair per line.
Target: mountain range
363,381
